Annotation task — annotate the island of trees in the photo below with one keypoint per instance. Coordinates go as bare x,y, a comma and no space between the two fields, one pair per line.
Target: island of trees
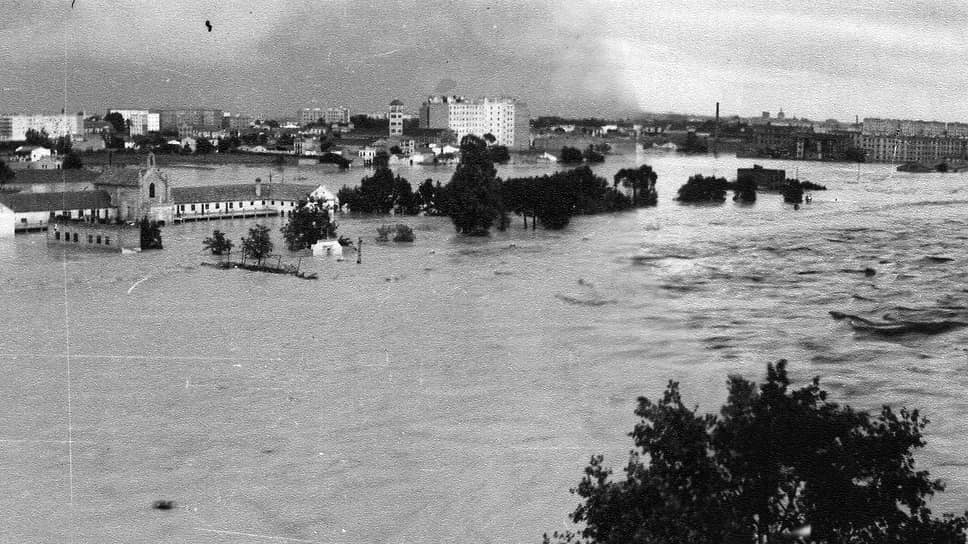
477,200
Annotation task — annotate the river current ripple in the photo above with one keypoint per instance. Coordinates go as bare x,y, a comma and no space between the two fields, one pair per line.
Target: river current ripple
452,390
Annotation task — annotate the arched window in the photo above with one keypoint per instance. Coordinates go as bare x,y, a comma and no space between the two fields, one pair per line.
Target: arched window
151,190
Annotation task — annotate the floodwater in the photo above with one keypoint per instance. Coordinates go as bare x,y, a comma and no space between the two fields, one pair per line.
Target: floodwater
451,389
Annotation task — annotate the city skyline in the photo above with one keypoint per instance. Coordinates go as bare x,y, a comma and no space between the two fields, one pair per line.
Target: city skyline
581,59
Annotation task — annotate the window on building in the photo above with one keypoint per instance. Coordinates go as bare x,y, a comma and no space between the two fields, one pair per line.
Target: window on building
206,206
90,238
231,205
75,237
216,205
251,203
151,190
23,220
193,207
56,235
273,202
240,204
263,202
99,238
107,240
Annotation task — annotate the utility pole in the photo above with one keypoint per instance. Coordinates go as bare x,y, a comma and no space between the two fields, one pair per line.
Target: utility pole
716,137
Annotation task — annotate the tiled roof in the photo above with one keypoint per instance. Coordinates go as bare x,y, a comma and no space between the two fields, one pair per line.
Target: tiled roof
125,177
40,202
80,175
240,191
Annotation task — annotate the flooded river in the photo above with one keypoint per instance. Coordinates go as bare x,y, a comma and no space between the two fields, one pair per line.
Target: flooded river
452,390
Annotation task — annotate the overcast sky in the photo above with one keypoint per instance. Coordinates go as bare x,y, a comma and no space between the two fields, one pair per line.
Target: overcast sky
814,59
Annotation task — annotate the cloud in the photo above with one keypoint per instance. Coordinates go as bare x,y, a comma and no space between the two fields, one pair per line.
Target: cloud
578,57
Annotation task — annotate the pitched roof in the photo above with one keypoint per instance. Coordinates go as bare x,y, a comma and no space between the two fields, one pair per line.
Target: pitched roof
240,191
81,175
124,177
42,202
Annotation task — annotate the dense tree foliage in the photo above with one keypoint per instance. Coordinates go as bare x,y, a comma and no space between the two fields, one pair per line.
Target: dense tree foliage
117,121
642,182
217,243
430,196
62,145
499,154
72,161
258,244
308,224
204,146
775,461
382,192
571,155
6,173
150,234
793,192
744,190
591,155
35,137
700,188
473,198
553,199
228,144
401,233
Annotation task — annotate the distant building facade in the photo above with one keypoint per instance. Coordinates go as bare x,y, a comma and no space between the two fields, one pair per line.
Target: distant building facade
140,122
337,115
903,140
395,115
14,127
199,118
506,119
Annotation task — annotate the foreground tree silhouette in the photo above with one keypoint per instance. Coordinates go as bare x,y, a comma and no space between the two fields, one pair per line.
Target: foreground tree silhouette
775,460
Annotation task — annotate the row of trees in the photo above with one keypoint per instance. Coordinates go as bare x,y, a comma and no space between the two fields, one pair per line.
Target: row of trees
477,200
777,463
570,155
308,224
699,188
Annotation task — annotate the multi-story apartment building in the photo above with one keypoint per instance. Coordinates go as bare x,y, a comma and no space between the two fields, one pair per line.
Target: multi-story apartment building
237,122
140,121
902,140
504,118
14,127
337,115
308,116
395,115
899,149
197,118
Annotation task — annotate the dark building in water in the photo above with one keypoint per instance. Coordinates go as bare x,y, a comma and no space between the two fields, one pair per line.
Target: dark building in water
765,178
107,236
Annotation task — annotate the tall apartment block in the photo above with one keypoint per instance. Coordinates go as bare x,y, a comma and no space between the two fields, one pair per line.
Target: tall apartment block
204,119
308,116
14,127
505,118
395,115
140,121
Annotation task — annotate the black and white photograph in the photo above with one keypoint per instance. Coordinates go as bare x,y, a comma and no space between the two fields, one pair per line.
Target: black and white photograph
572,272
